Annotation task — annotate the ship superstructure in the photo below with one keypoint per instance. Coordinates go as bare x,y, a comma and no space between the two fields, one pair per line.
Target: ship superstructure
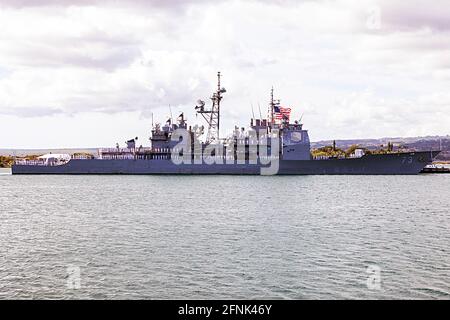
272,145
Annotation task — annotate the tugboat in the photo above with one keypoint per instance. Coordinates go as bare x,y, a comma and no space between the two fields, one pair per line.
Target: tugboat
269,146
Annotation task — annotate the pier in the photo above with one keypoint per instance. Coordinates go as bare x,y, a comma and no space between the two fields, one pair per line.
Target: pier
435,169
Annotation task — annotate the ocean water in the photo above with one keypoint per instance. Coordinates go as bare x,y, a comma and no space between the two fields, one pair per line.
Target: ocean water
229,237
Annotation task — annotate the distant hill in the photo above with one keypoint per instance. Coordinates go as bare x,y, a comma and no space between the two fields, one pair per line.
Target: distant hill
412,143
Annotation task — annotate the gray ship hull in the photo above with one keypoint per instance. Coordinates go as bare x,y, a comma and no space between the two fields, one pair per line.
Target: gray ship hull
382,164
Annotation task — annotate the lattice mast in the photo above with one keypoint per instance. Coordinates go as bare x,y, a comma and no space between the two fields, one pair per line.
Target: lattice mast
212,116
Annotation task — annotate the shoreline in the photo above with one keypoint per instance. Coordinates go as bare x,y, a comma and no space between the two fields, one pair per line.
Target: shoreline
5,171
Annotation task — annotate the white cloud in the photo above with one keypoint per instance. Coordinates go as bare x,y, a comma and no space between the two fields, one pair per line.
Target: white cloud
61,62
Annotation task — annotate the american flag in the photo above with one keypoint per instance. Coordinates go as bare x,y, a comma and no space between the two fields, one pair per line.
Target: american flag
282,111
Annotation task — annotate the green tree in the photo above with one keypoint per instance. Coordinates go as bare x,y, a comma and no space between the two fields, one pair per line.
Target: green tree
6,162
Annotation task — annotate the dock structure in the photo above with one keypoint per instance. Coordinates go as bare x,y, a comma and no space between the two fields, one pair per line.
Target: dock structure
435,169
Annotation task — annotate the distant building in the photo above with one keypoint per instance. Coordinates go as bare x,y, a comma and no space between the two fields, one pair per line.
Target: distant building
359,153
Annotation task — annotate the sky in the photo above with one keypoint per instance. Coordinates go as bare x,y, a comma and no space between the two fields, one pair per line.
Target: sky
91,73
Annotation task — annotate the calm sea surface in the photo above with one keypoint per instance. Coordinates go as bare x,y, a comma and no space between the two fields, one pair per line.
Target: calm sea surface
224,237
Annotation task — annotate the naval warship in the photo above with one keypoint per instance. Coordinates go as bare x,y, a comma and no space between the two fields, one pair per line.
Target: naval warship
270,145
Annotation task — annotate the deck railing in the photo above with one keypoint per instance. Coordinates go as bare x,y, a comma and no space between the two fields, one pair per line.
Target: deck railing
123,150
24,162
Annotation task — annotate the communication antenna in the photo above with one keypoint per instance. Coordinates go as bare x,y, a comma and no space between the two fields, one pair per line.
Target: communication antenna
253,113
171,116
301,117
260,114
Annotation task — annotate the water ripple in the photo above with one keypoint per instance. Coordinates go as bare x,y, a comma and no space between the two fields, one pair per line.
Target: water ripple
224,237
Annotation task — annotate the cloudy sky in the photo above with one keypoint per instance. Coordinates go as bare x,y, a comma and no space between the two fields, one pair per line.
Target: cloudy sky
90,73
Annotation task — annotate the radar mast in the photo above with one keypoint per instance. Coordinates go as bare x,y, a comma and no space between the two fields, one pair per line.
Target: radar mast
212,116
